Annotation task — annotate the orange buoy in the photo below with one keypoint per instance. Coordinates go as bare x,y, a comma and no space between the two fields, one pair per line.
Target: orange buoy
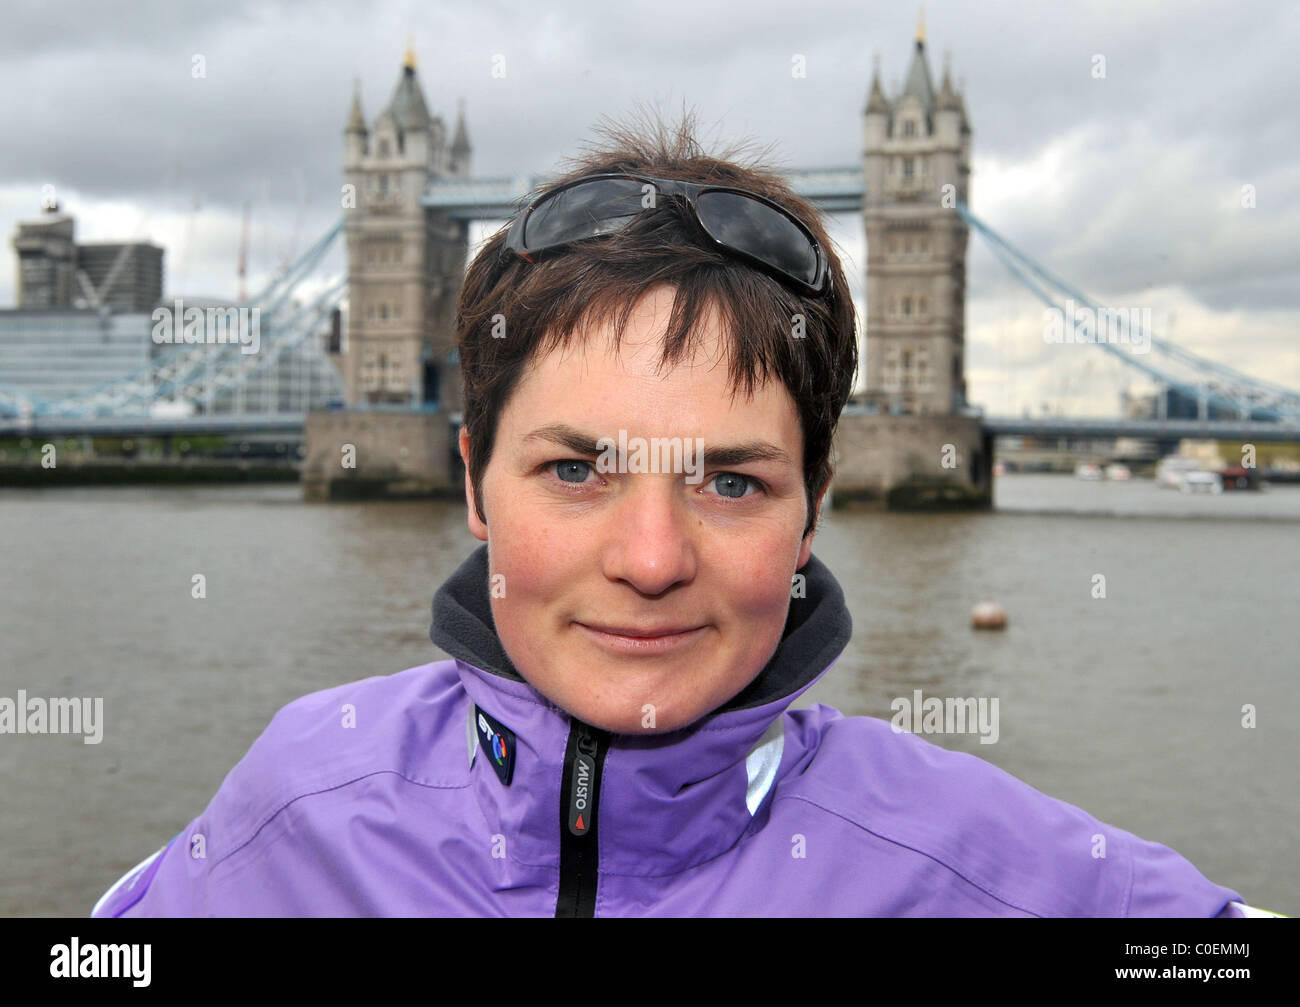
988,615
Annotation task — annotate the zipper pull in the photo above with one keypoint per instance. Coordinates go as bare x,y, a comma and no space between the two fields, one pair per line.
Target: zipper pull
583,781
584,759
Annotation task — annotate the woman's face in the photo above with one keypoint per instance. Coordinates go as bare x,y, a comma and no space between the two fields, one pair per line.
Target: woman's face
583,561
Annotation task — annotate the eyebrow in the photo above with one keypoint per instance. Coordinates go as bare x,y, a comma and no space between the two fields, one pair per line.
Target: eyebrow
730,454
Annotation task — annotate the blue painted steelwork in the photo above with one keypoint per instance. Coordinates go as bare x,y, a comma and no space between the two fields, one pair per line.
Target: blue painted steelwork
186,373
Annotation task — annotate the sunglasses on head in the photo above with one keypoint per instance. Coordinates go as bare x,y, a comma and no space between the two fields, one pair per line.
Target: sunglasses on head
741,223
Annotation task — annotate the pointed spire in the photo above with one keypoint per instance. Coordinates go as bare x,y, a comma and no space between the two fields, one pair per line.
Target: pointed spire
947,96
920,26
876,102
918,74
460,142
408,108
356,119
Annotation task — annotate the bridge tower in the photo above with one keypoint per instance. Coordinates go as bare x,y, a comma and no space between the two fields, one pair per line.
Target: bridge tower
405,262
916,145
917,445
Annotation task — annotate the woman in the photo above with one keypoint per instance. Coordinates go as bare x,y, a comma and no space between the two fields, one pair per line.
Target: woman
653,372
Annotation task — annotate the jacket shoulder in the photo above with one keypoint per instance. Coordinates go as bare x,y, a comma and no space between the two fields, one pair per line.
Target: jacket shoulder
388,723
1029,851
391,724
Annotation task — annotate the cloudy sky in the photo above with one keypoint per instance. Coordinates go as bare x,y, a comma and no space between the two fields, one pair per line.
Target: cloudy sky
1129,186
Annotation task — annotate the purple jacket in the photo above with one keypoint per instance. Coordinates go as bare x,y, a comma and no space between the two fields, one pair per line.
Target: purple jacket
456,789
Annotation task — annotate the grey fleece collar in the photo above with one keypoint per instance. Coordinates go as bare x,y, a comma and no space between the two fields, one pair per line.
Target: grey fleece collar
816,631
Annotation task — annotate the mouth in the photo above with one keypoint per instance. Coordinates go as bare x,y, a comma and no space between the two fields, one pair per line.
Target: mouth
641,639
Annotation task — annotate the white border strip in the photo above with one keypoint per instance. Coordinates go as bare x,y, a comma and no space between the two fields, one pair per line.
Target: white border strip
133,872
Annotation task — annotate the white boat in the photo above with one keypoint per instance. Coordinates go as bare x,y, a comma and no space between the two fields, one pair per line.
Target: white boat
1201,482
1171,471
1088,471
1118,473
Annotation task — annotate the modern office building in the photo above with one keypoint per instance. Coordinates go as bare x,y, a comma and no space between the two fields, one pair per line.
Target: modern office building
46,258
52,354
55,272
85,319
137,284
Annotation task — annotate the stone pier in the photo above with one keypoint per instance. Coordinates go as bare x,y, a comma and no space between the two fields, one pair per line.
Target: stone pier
363,454
906,462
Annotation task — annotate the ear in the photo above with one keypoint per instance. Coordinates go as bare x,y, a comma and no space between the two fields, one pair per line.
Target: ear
476,527
805,548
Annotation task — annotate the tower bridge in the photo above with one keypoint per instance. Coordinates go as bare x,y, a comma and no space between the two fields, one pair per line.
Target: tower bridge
409,201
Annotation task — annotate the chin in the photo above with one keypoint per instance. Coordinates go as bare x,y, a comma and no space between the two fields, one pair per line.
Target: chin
646,701
619,722
613,693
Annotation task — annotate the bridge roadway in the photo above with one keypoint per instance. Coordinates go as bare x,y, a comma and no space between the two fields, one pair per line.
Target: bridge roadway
291,426
1245,431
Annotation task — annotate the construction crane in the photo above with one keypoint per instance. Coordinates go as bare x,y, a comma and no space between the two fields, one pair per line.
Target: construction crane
288,257
243,258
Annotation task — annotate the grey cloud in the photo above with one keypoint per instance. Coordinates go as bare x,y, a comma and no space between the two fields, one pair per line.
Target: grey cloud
1196,102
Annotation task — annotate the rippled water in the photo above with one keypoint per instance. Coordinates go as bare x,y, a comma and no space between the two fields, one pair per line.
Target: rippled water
1128,706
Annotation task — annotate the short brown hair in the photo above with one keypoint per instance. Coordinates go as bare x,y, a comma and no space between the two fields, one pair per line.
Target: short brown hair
602,280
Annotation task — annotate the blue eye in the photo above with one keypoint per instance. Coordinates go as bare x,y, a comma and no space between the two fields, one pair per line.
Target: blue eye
730,485
572,467
728,482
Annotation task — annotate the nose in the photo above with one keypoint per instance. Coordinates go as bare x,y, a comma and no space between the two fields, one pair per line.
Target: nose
651,546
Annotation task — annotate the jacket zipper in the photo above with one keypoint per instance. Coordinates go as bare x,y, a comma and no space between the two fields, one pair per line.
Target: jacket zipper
579,791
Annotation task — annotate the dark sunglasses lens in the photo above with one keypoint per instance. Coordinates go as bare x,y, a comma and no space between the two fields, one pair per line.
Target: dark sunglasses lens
583,211
759,230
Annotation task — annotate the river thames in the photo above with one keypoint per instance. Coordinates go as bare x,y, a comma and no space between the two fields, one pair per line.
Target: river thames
1129,705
